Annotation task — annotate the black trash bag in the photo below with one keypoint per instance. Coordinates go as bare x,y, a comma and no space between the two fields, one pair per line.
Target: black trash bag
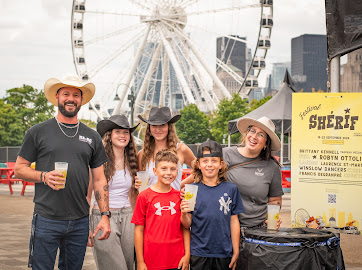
268,249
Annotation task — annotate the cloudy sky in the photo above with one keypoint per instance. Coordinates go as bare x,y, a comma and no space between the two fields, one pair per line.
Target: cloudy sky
36,42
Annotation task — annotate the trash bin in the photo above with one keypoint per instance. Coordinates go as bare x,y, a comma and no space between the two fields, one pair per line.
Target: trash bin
299,248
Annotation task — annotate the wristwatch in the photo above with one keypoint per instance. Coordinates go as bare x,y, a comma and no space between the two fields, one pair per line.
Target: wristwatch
106,213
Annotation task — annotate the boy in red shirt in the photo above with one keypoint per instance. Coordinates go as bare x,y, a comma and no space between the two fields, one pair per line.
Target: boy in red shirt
160,240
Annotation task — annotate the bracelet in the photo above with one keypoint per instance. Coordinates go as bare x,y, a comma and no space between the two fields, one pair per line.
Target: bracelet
41,177
45,183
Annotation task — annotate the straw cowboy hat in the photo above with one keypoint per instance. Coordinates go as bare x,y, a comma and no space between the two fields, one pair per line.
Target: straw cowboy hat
52,86
160,116
265,124
115,121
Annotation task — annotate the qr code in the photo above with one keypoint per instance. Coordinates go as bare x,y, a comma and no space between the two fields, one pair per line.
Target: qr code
332,198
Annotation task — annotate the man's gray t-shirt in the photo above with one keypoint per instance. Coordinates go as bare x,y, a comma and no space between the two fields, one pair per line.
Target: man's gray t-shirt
256,183
45,144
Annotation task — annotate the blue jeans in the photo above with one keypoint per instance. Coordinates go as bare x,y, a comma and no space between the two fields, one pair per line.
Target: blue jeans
70,236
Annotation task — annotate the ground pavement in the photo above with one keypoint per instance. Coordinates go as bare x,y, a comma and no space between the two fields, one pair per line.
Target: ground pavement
15,217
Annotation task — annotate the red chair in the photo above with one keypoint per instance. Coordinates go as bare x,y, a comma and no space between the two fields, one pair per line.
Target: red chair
11,180
6,175
286,180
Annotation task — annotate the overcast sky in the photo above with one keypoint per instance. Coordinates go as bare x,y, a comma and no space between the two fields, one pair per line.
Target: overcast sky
35,37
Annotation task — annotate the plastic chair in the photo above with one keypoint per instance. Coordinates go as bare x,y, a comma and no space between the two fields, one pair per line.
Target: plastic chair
286,180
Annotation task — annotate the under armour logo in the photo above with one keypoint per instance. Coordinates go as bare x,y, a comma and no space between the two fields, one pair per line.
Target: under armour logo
160,208
225,205
259,172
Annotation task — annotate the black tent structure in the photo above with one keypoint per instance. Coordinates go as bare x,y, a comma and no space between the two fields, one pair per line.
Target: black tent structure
278,109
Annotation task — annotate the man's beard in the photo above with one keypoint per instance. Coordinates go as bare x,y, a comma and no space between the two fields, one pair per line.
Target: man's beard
66,113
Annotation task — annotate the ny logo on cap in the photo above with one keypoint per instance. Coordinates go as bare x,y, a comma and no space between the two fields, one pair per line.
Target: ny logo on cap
160,208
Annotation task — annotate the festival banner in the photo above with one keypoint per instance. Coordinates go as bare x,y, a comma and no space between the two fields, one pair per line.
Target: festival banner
327,158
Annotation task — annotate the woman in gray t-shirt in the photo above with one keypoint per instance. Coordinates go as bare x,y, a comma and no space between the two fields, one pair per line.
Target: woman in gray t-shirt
258,176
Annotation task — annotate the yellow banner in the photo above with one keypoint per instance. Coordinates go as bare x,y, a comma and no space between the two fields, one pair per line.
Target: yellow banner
327,158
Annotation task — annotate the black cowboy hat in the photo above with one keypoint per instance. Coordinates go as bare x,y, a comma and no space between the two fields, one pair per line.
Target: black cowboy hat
160,116
115,121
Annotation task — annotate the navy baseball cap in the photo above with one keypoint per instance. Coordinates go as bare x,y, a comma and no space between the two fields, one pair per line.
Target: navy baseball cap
215,149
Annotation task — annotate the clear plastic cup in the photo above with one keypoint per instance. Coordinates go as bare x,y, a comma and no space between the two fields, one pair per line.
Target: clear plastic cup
273,216
61,167
144,178
190,195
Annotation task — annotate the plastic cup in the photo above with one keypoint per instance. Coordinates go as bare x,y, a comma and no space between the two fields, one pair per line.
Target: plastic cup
190,195
144,178
273,216
61,167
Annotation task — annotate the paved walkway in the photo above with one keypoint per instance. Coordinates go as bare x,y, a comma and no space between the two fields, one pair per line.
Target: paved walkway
15,217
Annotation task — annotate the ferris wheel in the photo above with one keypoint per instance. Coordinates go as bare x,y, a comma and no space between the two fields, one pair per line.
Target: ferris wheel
169,52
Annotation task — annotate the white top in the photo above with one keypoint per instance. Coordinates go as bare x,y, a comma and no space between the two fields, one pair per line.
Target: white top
119,187
153,178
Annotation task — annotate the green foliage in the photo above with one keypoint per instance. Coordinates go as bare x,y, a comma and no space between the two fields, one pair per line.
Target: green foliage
11,126
227,110
21,109
257,103
193,127
88,123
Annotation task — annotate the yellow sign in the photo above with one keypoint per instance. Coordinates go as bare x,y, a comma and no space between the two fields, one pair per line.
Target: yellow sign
327,158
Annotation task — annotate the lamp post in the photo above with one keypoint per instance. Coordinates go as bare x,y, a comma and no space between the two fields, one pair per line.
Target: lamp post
130,97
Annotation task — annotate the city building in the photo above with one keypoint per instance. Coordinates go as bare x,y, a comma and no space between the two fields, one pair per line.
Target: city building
351,78
230,83
234,51
278,73
309,62
256,93
175,100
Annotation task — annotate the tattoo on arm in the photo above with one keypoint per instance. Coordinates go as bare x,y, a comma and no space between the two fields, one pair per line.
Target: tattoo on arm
97,195
105,188
106,202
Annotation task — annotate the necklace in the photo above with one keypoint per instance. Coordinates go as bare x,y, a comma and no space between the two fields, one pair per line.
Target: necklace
76,126
64,125
118,165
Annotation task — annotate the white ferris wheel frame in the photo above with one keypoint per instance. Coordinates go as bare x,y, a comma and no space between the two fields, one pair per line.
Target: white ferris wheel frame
196,63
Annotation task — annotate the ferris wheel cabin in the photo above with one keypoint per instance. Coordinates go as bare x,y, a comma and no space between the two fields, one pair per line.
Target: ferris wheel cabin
267,3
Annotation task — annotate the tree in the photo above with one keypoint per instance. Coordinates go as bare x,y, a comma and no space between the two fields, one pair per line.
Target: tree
193,127
257,103
21,109
227,110
11,126
88,123
30,104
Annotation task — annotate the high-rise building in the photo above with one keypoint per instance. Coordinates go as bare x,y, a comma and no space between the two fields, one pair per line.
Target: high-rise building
309,62
175,99
230,83
231,51
278,73
351,78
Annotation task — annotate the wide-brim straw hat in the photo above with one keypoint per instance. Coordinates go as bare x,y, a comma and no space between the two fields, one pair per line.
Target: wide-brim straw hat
52,86
265,124
114,122
160,116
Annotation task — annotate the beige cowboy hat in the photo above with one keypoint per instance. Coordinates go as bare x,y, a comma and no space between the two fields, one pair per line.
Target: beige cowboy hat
265,124
52,86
